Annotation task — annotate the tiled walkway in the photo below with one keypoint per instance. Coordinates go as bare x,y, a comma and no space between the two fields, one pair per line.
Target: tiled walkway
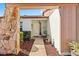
38,48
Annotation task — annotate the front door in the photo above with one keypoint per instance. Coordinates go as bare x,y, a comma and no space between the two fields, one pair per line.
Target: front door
35,28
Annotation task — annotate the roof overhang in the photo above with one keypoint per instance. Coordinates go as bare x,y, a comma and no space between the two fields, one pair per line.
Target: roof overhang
40,5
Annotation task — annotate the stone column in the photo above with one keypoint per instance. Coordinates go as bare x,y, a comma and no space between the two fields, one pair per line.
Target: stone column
9,32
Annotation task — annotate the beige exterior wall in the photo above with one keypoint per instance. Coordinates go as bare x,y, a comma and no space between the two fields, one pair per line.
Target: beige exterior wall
68,26
77,23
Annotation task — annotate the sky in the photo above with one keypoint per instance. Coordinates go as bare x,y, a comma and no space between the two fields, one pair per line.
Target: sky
29,12
2,9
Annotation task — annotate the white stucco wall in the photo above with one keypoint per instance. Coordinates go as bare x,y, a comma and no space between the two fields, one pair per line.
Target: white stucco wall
48,31
27,22
54,20
26,26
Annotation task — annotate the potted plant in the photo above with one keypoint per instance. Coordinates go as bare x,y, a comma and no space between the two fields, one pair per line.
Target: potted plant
74,48
21,36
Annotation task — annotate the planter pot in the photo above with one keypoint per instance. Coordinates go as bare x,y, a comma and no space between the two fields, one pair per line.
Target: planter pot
73,53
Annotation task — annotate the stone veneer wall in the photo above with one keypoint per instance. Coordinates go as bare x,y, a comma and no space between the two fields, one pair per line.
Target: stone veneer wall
8,33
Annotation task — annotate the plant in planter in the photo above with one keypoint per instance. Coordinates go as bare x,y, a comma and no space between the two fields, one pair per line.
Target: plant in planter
45,32
77,48
74,46
21,36
27,35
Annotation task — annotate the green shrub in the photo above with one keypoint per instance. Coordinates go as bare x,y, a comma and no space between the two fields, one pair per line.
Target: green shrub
75,46
21,36
27,35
